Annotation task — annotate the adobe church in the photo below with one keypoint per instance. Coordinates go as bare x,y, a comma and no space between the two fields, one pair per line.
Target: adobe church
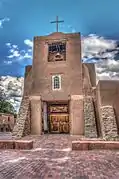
61,95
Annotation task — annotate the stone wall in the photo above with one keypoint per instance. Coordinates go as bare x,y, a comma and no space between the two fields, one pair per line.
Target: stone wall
22,125
108,123
89,118
27,127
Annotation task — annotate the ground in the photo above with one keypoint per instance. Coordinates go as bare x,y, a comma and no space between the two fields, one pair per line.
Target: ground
52,158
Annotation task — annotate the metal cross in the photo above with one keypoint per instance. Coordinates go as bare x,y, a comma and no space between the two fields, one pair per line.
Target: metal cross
57,23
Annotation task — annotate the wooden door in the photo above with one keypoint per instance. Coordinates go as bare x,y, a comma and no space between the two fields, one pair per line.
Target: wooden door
59,118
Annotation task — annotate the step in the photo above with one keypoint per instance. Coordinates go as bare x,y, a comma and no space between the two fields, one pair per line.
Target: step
16,144
91,145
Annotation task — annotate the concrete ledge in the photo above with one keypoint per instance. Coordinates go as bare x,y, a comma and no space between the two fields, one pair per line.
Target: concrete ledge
21,144
6,144
16,144
91,145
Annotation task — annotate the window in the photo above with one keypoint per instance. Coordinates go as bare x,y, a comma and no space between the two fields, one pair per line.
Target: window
56,82
57,51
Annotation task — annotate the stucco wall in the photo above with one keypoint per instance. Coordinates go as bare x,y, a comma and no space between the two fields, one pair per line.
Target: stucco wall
70,70
90,117
87,86
7,122
108,96
28,80
92,73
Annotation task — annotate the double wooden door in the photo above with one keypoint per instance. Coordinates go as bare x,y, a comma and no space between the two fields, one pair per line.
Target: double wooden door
58,118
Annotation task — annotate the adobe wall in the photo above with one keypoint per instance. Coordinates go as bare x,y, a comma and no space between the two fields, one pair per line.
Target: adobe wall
92,73
108,104
109,90
36,115
7,118
109,94
7,122
28,80
70,70
76,115
87,86
89,81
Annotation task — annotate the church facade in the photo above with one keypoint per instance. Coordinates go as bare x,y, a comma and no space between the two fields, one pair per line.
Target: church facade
61,95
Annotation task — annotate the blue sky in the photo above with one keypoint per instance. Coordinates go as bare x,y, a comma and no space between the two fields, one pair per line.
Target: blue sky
21,20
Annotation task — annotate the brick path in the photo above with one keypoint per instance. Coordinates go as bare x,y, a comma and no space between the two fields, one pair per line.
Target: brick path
52,158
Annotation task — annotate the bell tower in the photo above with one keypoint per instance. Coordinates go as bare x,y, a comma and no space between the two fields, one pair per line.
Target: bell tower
57,75
57,54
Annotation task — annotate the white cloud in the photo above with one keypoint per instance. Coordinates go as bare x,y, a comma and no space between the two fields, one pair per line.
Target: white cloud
26,55
94,46
94,49
28,42
102,52
8,44
15,54
2,21
15,46
29,50
8,62
108,69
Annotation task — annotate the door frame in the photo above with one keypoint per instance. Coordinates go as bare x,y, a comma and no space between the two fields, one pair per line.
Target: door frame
48,112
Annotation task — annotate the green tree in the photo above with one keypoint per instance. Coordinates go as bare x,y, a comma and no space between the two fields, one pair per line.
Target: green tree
6,107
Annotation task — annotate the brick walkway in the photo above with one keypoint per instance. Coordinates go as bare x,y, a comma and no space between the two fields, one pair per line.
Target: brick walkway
52,158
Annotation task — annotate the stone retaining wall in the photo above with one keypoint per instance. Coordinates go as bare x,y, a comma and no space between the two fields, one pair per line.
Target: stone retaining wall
22,125
108,123
89,118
